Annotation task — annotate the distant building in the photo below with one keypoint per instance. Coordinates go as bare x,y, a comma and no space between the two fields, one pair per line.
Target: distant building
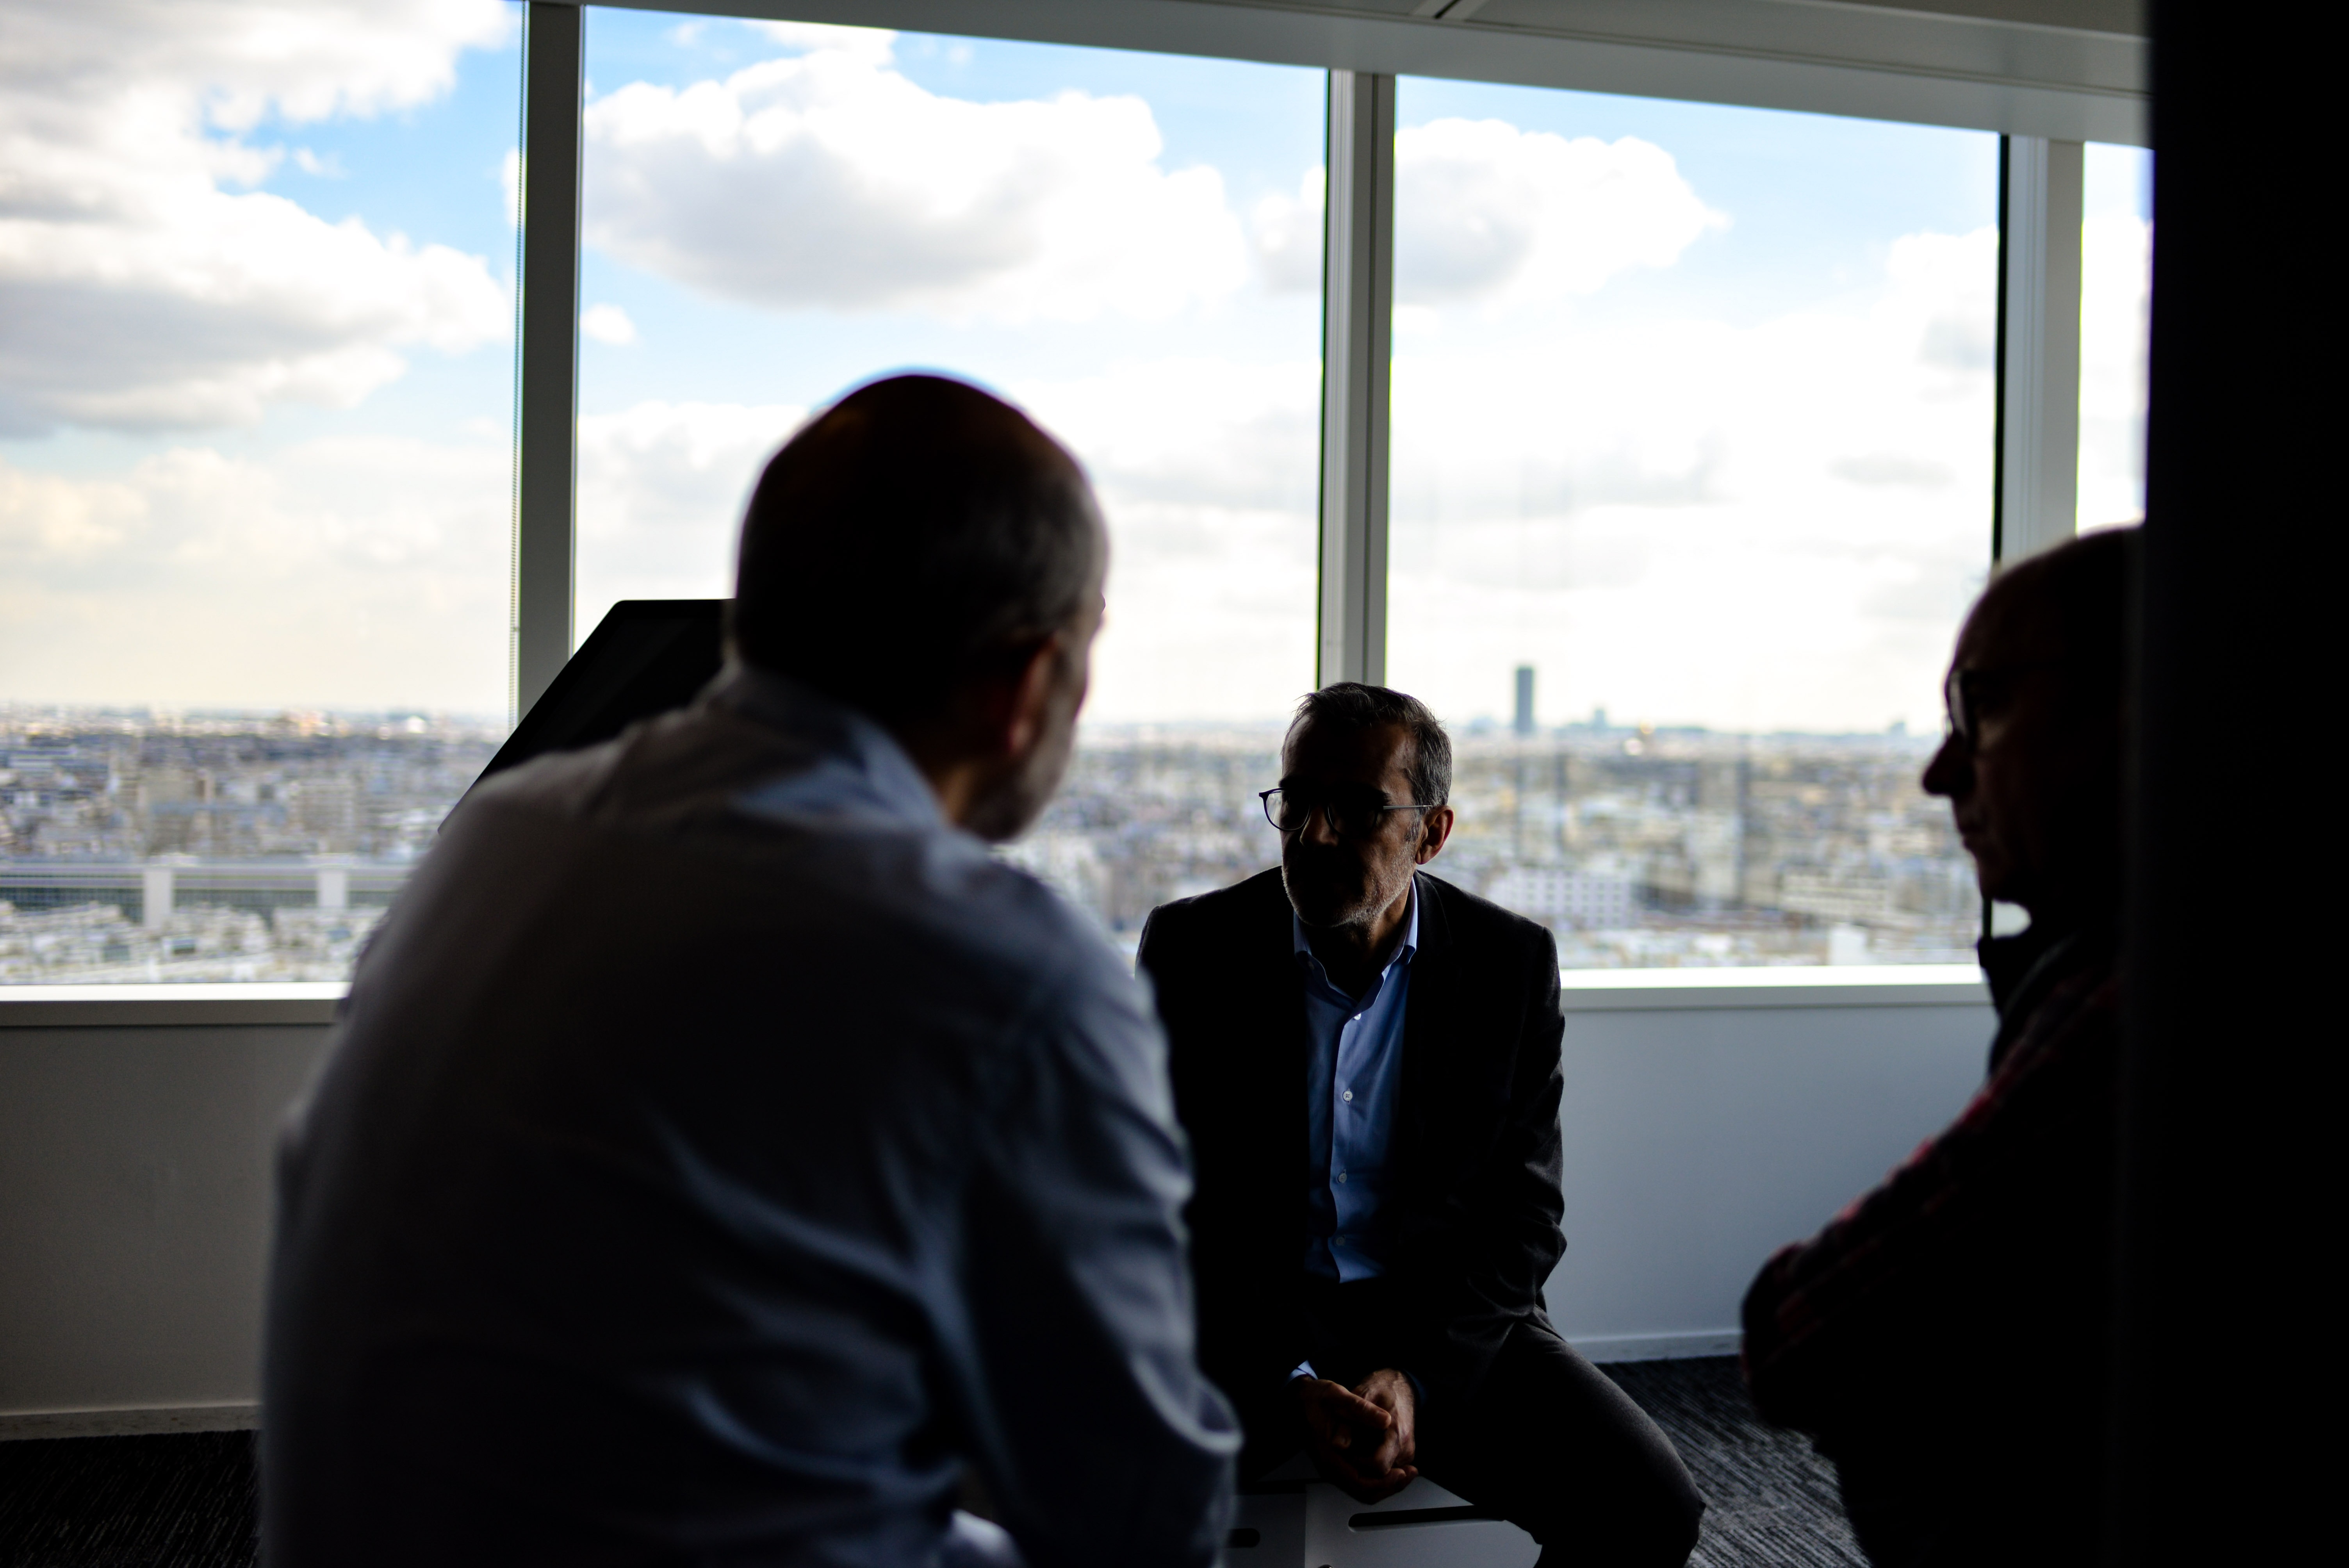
1553,892
1524,721
1852,900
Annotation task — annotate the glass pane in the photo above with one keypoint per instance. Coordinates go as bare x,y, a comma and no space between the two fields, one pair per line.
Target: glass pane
2115,324
1691,463
256,403
1127,245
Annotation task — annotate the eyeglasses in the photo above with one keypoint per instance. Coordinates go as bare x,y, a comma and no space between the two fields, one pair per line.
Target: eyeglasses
1351,814
1967,695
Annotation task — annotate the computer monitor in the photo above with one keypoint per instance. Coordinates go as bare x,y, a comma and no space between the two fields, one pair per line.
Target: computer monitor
645,656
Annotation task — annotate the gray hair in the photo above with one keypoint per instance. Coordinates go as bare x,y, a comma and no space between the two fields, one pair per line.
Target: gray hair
1350,706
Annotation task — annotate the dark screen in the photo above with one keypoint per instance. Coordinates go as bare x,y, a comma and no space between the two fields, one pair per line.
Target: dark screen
645,656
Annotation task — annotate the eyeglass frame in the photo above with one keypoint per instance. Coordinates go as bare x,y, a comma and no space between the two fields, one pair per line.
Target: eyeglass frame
1960,722
1323,805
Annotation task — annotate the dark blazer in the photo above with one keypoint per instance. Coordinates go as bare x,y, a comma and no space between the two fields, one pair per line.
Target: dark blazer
1476,1147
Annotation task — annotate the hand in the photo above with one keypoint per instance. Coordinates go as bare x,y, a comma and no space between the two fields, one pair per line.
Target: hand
1363,1439
1391,1391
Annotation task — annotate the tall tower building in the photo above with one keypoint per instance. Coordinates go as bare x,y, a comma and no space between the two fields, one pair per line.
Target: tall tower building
1525,723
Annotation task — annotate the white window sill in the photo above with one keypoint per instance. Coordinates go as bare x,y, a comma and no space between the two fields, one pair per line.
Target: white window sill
168,1007
1585,990
1860,985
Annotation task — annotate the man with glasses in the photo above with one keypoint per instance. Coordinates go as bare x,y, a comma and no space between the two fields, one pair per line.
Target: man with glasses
1377,1303
1945,1338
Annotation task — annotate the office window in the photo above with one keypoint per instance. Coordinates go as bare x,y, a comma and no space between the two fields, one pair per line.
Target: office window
1691,485
255,479
1126,245
2116,300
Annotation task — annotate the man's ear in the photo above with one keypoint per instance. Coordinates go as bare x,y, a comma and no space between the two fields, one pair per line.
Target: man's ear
1026,693
1434,828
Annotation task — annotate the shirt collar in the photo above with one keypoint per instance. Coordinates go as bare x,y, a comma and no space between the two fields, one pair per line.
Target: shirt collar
1403,950
851,765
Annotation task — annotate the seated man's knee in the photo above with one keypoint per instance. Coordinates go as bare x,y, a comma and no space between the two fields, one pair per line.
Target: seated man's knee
1667,1515
1656,1510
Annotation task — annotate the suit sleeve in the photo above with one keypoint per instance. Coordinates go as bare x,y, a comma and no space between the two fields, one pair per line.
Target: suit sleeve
1099,1437
1507,1218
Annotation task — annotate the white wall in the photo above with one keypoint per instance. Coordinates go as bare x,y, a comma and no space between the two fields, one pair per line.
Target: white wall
1703,1130
134,1216
1703,1127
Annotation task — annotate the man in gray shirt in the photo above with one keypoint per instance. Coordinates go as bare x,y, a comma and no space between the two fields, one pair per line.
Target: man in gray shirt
722,1156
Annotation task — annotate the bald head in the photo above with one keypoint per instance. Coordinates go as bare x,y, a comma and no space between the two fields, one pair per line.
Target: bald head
2066,606
916,532
2032,768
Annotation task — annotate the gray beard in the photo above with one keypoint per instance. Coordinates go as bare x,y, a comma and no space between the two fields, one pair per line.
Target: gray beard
1359,911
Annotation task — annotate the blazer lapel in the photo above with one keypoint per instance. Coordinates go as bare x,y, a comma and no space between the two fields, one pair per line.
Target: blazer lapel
1272,1040
1426,1034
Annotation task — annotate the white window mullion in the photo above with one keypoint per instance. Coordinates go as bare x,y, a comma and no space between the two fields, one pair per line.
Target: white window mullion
2039,414
546,390
1358,307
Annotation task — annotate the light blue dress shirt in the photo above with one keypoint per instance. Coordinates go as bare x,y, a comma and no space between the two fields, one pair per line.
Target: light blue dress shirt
1352,1080
741,1149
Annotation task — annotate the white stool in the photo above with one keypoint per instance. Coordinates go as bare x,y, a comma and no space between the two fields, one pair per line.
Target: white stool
1290,1522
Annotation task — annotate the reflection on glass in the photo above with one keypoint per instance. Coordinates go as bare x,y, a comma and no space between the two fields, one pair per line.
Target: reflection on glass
1127,245
255,479
1691,453
2116,323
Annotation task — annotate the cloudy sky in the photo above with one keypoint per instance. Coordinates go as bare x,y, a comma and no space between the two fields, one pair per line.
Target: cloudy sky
1692,403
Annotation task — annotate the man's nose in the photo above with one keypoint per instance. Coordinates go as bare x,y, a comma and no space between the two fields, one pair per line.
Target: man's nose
1318,829
1951,772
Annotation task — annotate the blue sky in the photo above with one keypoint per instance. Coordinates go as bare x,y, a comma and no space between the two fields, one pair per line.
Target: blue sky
1197,411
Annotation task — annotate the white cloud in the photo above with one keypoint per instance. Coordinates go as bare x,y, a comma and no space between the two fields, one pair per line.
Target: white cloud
1287,236
350,571
1490,213
1205,469
1685,520
1747,527
661,491
828,179
608,323
1486,211
873,46
140,288
1207,472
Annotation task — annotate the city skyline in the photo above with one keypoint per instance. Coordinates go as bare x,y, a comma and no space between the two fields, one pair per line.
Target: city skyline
266,847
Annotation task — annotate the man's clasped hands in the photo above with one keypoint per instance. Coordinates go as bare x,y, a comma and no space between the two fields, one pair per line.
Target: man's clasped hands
1365,1438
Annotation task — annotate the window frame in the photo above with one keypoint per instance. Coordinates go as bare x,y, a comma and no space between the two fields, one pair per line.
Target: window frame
2046,90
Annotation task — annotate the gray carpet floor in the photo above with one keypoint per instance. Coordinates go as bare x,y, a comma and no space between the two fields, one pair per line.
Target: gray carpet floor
1769,1499
182,1501
187,1501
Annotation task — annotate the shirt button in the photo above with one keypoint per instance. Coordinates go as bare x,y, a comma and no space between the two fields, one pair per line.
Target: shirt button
1342,1175
1349,1094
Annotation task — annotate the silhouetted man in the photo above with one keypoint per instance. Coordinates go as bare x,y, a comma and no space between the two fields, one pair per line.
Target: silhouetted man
1945,1338
719,1151
1367,1061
